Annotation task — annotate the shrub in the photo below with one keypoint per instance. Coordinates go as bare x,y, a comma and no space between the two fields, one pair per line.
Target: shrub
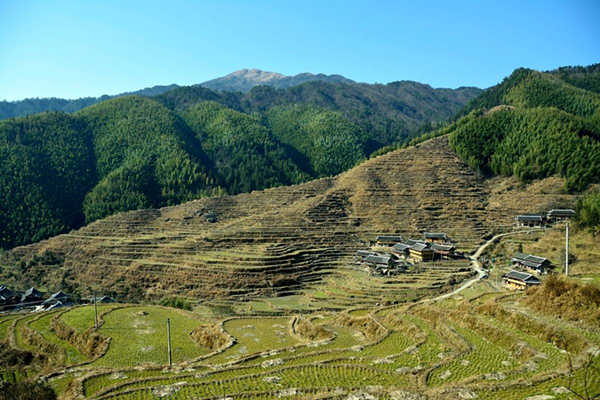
176,302
26,391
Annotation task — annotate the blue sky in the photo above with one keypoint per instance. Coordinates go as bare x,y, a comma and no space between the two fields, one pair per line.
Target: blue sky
88,48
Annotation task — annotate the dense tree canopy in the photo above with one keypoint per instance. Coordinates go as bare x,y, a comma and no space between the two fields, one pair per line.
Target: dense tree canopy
533,125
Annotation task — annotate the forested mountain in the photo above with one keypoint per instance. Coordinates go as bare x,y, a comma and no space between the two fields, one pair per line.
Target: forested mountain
390,113
245,79
535,124
58,170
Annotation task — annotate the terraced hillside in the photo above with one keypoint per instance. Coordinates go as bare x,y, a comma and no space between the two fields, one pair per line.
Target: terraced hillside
280,240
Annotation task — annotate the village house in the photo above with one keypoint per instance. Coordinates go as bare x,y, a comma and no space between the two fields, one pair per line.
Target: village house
57,299
443,251
530,220
32,295
7,296
531,263
401,250
421,252
557,215
361,255
436,237
519,280
388,240
384,265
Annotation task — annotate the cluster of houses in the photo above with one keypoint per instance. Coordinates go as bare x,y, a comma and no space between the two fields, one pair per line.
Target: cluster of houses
403,252
540,220
434,246
33,299
526,271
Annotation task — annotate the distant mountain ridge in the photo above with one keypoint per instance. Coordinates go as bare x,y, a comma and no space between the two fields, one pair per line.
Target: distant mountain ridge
244,80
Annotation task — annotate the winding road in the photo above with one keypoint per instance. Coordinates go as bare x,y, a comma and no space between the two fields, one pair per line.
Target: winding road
477,265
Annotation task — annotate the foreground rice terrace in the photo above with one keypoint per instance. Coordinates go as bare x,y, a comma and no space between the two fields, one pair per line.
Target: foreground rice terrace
480,344
289,240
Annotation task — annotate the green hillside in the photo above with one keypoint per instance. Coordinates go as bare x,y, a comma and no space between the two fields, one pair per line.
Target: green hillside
533,125
245,154
59,171
46,167
389,113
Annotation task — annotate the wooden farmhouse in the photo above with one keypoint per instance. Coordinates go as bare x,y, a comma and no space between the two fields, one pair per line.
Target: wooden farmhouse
388,240
58,297
32,295
519,280
384,265
401,250
421,252
530,220
361,255
557,215
443,250
436,237
531,263
8,296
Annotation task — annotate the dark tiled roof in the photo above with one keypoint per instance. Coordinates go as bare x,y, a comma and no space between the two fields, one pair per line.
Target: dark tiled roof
529,260
420,246
522,276
365,253
442,247
389,238
412,242
436,235
378,259
530,218
563,212
32,292
401,247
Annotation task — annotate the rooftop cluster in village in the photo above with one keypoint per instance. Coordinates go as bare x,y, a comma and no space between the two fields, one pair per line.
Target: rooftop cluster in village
551,217
403,253
36,300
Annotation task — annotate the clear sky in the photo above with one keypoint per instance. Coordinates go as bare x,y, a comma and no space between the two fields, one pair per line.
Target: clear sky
91,47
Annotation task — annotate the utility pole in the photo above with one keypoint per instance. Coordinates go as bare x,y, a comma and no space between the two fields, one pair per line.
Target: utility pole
169,341
567,250
95,311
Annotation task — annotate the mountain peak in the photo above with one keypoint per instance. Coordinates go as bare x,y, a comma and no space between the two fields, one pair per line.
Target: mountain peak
244,80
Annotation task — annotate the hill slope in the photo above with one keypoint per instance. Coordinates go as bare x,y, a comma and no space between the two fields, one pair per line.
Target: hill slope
281,239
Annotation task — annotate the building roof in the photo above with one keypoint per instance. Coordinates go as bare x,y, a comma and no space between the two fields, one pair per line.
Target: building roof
529,260
436,235
561,212
442,247
420,246
5,291
378,259
365,253
412,242
400,247
390,238
530,218
58,296
32,292
522,276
